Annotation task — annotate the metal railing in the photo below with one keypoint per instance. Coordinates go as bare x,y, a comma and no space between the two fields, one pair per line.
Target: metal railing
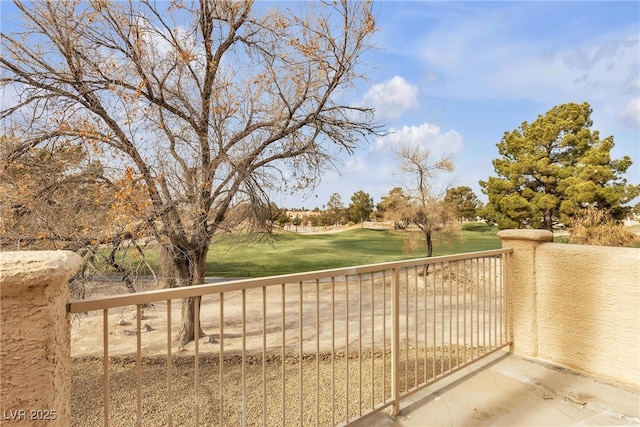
319,348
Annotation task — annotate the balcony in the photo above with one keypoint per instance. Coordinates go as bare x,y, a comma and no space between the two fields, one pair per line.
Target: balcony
534,334
508,390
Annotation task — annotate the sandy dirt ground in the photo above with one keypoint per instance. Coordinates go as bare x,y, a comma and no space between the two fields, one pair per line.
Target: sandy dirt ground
344,313
87,329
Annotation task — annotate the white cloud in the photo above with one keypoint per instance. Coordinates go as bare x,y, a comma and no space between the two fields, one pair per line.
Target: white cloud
584,73
391,98
355,165
425,134
630,113
376,171
491,54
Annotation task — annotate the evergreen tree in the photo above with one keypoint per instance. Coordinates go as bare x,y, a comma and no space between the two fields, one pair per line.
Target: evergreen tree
361,206
335,211
553,167
464,201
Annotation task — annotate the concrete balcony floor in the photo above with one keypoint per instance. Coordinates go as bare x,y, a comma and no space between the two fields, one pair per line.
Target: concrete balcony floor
508,390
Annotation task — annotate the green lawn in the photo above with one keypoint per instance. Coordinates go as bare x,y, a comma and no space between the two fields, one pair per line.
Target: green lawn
243,256
249,255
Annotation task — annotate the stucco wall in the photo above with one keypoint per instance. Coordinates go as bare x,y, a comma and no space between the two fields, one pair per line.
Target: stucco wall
35,337
521,293
588,309
575,306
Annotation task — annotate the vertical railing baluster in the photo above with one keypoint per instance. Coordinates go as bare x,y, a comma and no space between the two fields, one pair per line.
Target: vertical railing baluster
442,318
405,285
492,271
283,404
301,353
317,352
169,369
105,365
373,328
346,361
502,300
425,270
384,335
333,351
435,332
471,307
484,305
415,327
243,379
138,365
498,300
450,346
395,342
221,360
504,319
464,310
478,306
506,309
359,345
196,355
458,312
264,356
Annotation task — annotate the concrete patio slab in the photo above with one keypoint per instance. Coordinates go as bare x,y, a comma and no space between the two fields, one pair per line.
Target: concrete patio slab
512,391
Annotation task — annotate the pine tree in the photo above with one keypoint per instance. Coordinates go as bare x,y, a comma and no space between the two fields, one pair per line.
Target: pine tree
553,167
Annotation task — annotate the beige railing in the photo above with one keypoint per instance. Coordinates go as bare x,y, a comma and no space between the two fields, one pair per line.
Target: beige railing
318,348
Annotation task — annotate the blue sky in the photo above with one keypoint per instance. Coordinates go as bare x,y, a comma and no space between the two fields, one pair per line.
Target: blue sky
454,76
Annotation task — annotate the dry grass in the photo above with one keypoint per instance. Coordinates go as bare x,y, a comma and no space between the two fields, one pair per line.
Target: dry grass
596,227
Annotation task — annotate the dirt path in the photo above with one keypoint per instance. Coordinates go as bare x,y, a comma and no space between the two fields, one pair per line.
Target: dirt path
345,313
87,329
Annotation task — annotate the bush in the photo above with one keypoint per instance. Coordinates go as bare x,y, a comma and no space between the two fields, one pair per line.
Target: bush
596,227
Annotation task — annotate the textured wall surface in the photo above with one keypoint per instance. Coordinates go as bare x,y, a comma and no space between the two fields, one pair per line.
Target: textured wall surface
588,305
575,306
34,346
521,294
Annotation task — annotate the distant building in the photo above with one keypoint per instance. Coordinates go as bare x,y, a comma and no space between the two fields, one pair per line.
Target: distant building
302,214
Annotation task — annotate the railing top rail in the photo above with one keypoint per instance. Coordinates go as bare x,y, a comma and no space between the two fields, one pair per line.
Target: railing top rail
258,282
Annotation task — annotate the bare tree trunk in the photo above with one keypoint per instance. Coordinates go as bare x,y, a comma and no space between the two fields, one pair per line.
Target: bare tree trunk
427,235
187,330
548,216
174,267
185,268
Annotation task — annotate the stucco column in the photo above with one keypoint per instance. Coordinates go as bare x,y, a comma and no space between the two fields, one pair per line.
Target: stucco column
35,352
521,287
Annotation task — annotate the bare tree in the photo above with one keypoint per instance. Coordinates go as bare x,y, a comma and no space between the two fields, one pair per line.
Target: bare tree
43,192
56,197
423,203
203,104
